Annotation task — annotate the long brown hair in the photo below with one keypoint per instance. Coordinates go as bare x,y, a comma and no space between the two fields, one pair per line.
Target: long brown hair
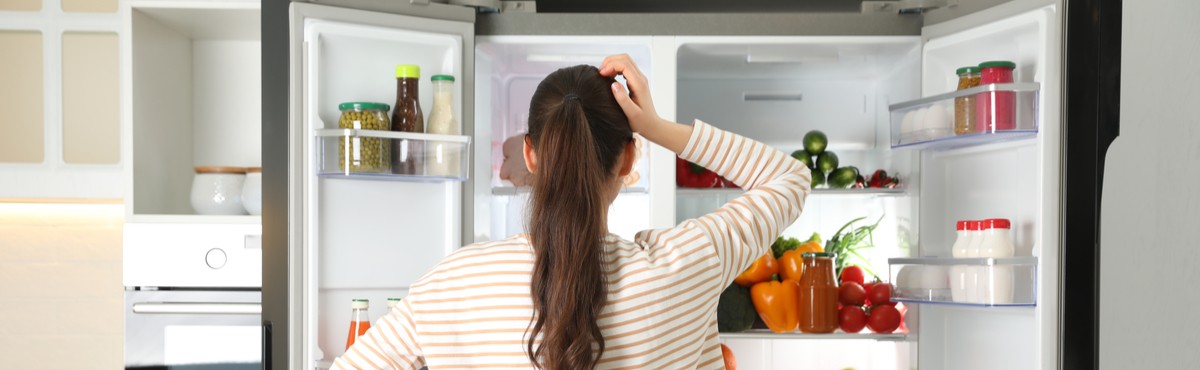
577,131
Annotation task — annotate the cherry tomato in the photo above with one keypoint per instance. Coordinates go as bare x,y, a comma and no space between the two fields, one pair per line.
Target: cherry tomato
884,319
881,294
852,319
853,273
851,294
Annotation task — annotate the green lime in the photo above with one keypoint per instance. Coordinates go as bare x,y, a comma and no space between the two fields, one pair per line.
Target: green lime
842,178
803,157
827,162
818,179
815,142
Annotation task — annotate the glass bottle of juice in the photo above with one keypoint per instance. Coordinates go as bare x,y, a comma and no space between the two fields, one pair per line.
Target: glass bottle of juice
818,294
407,117
359,323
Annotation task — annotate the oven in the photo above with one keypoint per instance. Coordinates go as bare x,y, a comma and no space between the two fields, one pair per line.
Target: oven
193,296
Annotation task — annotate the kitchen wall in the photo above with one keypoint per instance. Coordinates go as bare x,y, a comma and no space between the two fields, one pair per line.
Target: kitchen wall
60,264
1149,239
60,286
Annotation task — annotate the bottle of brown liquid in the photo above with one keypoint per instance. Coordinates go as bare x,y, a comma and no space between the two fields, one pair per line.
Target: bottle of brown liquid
407,117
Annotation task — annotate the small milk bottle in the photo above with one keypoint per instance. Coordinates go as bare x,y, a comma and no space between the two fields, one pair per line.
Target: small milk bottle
975,273
958,273
997,243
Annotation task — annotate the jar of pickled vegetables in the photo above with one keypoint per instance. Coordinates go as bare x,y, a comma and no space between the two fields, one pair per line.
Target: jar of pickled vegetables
964,106
364,154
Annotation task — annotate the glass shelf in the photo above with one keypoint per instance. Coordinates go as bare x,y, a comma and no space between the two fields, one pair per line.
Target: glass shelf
516,190
928,123
696,192
368,154
768,334
977,282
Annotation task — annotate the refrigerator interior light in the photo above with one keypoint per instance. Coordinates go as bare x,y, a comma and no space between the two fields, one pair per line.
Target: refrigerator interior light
558,58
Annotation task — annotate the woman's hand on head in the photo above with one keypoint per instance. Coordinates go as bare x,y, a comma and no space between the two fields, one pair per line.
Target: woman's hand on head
636,103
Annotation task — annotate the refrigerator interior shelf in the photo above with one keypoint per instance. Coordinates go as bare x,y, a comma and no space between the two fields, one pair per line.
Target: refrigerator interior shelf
517,190
973,282
368,154
840,335
697,192
928,123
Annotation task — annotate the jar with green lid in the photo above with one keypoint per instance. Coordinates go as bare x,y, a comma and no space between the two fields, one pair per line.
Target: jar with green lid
964,106
364,154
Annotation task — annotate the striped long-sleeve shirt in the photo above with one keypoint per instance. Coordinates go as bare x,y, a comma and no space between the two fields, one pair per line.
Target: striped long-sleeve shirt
473,309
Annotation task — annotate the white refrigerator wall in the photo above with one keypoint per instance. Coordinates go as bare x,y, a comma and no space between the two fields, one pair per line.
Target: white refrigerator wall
508,69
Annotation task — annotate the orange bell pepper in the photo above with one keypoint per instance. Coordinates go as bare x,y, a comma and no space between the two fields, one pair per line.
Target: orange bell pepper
791,265
760,271
777,303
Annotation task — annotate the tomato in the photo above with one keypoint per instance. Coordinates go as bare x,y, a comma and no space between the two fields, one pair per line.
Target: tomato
881,294
884,319
853,273
730,360
851,294
852,319
867,287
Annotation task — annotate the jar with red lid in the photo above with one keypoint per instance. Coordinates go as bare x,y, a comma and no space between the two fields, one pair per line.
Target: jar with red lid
996,110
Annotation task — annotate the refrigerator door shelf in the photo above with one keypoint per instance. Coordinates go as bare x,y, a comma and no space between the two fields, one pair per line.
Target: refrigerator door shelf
928,123
973,282
366,154
866,334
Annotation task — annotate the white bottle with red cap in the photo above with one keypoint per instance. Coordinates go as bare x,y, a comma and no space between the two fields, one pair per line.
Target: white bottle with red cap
996,242
958,273
975,273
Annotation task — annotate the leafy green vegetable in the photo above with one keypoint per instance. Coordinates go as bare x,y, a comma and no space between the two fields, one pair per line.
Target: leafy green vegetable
735,310
783,244
849,243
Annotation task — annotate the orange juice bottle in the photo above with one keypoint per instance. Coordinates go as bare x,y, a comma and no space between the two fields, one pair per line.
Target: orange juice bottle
358,320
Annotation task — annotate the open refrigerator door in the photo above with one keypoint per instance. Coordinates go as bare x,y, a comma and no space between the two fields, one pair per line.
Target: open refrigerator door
858,91
367,231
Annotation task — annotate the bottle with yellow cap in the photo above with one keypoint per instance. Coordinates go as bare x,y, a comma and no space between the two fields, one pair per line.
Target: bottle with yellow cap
407,117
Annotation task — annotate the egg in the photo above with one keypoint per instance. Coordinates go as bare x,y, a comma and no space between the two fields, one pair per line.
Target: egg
907,124
936,117
935,277
909,277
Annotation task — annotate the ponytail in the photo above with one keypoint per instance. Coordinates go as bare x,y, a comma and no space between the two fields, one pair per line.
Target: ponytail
577,149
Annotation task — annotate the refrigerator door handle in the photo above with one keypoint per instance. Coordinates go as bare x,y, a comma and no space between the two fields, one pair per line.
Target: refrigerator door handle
196,308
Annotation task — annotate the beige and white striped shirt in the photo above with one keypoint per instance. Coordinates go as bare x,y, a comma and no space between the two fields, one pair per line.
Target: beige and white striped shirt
473,309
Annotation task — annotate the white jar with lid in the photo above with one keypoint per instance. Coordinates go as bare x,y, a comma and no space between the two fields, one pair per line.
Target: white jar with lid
958,273
252,191
996,242
217,190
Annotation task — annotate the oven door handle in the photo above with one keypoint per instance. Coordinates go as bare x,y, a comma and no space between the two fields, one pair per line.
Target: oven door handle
198,308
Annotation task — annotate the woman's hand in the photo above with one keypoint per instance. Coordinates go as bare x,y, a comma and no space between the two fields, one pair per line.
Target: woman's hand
638,106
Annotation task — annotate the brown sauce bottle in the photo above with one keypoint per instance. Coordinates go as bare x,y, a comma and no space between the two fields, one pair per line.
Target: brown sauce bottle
407,117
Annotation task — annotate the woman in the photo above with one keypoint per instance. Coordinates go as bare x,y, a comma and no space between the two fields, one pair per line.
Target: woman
569,295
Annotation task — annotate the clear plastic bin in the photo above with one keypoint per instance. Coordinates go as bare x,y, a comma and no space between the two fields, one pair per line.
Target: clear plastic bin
443,157
928,123
1009,281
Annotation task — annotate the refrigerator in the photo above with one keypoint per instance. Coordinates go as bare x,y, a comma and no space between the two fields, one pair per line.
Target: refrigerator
332,235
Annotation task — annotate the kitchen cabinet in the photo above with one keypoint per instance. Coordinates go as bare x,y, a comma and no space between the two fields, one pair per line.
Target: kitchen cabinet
841,73
61,98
